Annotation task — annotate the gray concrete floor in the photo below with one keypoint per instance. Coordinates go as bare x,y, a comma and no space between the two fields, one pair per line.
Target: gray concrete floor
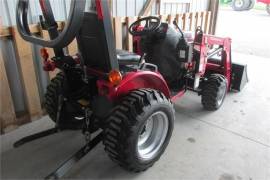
230,144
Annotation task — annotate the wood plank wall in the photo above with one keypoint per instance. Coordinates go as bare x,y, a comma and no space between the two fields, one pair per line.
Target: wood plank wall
8,119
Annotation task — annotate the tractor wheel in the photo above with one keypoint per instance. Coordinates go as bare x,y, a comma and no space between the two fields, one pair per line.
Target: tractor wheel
214,91
240,5
51,105
139,129
251,5
268,8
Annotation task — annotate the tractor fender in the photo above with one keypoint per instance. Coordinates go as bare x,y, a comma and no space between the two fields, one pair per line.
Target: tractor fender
141,79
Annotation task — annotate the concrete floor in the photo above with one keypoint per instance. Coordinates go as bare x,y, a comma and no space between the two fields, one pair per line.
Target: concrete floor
230,144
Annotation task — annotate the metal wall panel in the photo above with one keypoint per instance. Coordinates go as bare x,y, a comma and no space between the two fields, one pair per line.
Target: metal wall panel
7,10
181,6
133,7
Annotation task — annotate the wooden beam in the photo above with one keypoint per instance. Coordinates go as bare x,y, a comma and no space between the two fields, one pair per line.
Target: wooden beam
129,21
27,68
147,8
118,32
213,7
184,21
7,112
191,15
34,28
158,7
5,32
196,20
206,22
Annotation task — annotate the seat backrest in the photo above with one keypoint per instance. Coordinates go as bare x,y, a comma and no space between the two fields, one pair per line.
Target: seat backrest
96,41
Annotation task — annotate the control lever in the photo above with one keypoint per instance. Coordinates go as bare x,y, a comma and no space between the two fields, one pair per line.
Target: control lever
176,25
179,29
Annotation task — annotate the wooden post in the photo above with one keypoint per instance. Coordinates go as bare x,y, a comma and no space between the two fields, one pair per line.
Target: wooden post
202,15
190,21
196,19
184,21
206,22
129,21
7,112
25,59
158,6
213,7
118,32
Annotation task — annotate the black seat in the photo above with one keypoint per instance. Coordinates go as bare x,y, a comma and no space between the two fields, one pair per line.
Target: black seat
127,58
97,45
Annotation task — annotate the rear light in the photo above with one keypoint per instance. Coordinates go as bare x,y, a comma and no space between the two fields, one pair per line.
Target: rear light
115,77
44,53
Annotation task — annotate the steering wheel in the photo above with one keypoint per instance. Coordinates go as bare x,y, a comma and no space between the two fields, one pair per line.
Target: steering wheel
69,32
152,23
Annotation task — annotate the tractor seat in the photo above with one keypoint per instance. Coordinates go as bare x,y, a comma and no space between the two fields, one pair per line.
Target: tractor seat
127,58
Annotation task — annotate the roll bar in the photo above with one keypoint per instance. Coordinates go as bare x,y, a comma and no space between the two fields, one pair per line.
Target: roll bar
69,32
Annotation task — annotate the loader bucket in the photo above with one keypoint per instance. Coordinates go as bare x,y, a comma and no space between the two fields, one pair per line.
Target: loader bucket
239,76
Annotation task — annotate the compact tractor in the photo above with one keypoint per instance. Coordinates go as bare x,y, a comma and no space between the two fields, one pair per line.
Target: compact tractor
125,99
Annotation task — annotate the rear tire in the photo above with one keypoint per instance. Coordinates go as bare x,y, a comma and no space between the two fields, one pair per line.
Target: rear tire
240,5
51,99
268,8
214,91
251,5
130,139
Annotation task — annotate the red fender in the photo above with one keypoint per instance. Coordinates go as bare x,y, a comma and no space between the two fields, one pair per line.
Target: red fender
264,1
136,80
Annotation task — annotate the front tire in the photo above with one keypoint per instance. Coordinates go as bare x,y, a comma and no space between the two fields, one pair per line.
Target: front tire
214,91
268,8
240,5
139,129
251,5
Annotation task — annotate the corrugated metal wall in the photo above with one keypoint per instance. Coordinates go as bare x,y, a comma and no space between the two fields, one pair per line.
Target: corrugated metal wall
61,8
179,6
133,7
119,8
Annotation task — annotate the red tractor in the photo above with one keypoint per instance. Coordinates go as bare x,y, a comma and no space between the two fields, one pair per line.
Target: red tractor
242,5
122,98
